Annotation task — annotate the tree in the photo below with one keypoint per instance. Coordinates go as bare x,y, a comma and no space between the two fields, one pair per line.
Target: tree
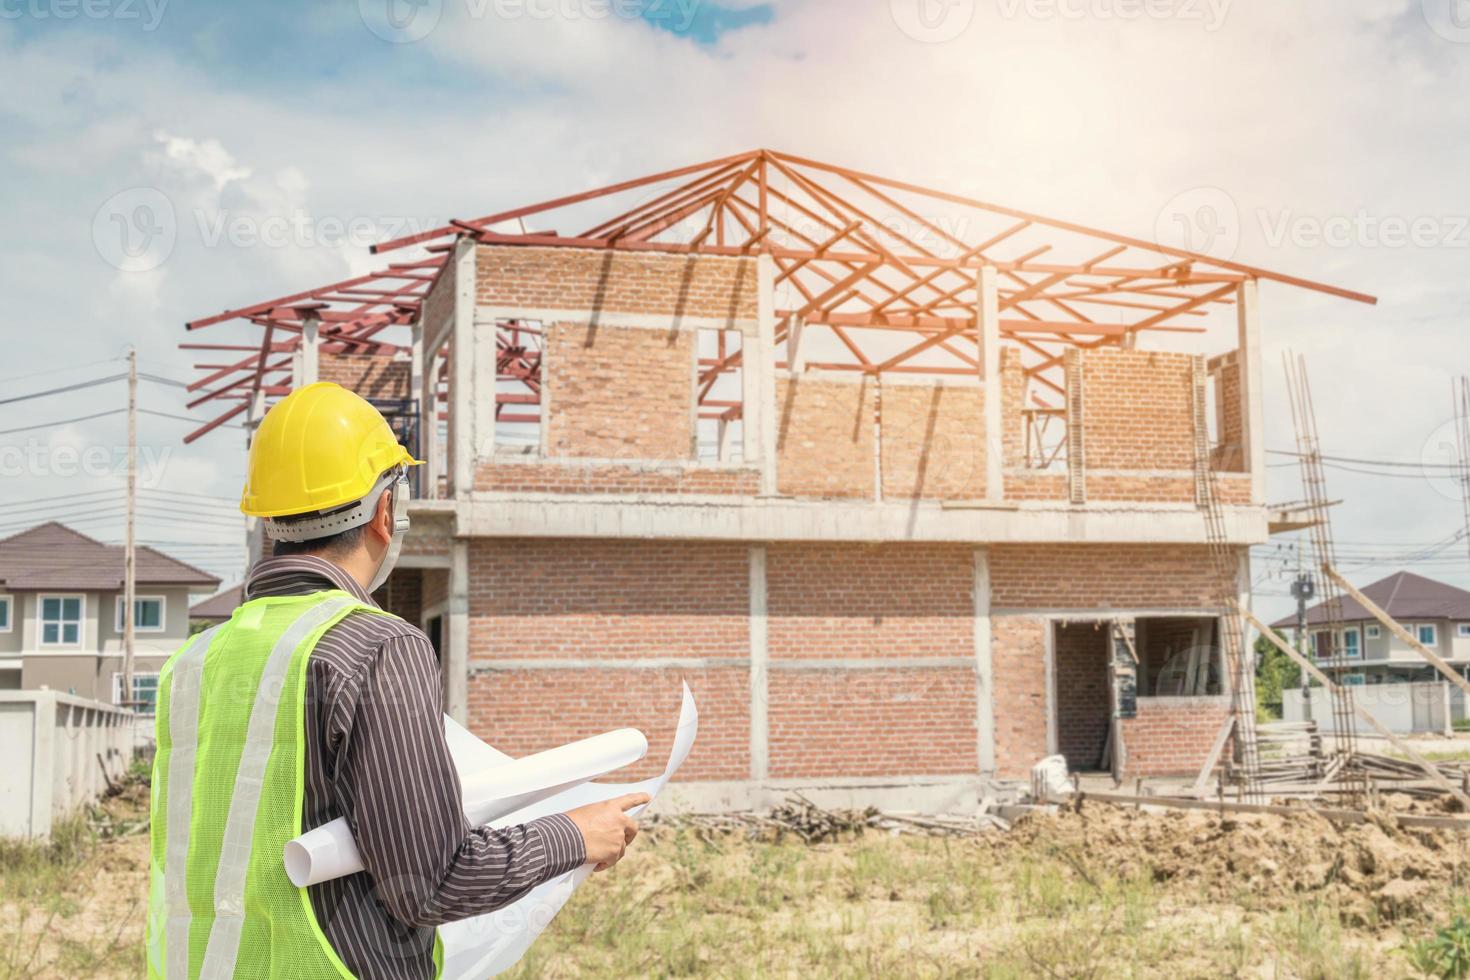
1275,672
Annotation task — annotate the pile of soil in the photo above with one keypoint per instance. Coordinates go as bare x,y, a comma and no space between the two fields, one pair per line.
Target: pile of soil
1375,871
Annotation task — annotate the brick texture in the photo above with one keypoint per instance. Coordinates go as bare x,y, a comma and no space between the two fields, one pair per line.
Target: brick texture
626,282
1018,665
619,392
525,711
872,722
1137,410
933,442
1140,576
1172,736
851,601
370,375
824,438
438,305
402,595
1229,455
608,599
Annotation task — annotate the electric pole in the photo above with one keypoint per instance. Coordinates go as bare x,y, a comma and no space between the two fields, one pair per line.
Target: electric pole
1303,589
130,546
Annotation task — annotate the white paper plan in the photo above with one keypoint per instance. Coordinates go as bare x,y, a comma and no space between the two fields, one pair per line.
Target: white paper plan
501,792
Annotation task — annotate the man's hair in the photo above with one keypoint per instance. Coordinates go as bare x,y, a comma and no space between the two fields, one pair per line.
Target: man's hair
337,545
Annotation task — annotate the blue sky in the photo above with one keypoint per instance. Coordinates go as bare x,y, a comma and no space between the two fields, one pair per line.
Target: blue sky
1294,117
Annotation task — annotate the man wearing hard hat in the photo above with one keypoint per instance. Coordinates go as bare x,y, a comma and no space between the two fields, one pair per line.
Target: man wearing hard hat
309,704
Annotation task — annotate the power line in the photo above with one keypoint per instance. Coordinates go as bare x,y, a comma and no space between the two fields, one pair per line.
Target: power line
60,422
60,370
63,389
1415,464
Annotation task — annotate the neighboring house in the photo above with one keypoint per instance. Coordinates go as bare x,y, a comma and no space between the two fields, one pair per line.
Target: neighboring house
1436,613
61,612
217,608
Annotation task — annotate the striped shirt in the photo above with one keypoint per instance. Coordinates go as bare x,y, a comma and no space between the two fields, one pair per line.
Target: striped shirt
375,754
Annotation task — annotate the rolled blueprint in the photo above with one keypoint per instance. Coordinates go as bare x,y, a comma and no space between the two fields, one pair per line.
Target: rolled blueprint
485,945
492,784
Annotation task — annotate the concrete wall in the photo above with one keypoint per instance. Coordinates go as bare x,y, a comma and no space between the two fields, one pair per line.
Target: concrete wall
1402,708
60,753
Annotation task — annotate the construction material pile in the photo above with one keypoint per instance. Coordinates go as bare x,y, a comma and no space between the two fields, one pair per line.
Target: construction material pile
1374,871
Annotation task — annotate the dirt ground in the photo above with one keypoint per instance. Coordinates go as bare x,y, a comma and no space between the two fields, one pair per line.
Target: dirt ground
1099,893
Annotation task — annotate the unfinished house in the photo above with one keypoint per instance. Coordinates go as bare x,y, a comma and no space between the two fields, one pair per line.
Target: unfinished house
914,490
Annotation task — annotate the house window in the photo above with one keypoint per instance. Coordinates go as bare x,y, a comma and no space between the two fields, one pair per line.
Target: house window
1374,632
1427,633
5,608
1351,648
518,351
61,620
1463,630
147,614
1353,680
719,399
145,692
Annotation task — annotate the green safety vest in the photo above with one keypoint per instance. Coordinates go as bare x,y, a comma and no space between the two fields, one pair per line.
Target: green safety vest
228,783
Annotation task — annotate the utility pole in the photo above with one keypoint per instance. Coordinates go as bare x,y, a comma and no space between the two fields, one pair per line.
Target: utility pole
130,545
1303,589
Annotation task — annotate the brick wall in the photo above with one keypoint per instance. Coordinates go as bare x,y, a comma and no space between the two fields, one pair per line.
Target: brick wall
556,600
1084,709
608,599
620,392
1172,736
1230,454
872,722
851,601
435,587
611,281
525,711
439,304
933,441
824,438
1140,576
1018,666
1137,410
370,375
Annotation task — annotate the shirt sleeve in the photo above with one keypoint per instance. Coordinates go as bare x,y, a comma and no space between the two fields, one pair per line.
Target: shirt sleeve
398,789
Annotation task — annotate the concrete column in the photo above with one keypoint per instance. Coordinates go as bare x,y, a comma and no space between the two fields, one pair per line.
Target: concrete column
463,434
457,659
760,659
760,378
795,350
1252,413
415,391
987,324
311,370
1245,670
984,668
428,392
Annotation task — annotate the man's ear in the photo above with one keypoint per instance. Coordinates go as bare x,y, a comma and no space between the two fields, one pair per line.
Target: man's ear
381,526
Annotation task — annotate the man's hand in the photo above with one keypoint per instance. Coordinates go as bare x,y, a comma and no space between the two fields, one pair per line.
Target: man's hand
606,829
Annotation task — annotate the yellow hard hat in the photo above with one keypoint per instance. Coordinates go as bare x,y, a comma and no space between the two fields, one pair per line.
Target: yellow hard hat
320,447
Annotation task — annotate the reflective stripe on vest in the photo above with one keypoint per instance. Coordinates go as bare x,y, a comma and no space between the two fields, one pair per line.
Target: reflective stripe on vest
227,795
234,859
183,726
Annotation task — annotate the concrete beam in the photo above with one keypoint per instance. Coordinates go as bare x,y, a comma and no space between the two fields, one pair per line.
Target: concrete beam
1252,414
456,666
742,519
463,417
759,372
